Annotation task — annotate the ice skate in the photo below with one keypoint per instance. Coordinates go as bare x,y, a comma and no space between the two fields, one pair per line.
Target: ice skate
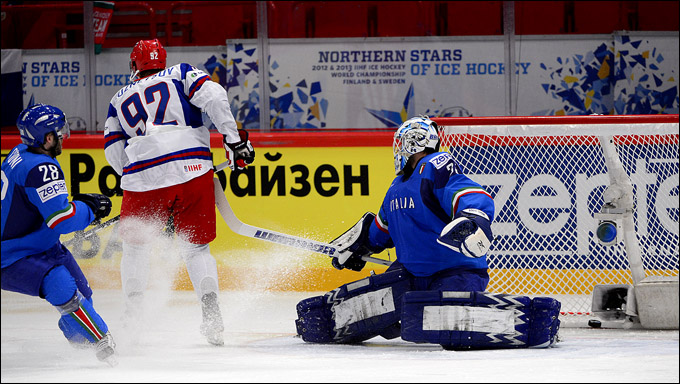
106,349
212,327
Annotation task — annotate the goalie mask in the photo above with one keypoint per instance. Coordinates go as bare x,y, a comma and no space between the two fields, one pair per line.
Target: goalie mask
413,136
147,54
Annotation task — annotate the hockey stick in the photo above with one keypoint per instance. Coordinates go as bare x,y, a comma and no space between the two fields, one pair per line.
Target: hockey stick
80,236
220,167
243,229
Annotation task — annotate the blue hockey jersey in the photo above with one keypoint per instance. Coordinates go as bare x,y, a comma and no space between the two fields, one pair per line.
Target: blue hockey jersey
416,209
35,205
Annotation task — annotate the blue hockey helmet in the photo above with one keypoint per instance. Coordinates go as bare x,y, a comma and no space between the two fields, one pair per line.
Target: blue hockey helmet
413,136
38,120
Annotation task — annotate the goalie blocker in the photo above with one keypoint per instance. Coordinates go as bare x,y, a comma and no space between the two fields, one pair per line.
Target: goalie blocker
384,305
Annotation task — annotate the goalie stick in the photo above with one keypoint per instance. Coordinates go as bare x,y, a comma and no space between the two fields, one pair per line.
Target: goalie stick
243,229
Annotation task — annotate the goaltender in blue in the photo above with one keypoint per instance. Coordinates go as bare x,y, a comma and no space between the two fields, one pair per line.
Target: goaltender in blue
438,220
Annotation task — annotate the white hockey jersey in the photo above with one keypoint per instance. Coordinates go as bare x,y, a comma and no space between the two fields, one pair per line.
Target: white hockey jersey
155,136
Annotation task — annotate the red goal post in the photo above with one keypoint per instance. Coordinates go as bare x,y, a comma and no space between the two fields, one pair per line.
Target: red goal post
550,177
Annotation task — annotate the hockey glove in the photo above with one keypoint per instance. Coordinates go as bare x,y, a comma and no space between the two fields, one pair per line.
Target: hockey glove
353,245
239,154
99,204
469,233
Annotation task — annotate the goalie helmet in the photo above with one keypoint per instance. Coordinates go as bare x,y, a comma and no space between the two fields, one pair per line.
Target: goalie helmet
147,54
413,136
38,120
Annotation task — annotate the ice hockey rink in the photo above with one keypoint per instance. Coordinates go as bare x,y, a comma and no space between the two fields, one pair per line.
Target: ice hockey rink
261,346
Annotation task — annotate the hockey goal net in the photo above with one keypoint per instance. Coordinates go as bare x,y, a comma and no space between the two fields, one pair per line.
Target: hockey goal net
549,177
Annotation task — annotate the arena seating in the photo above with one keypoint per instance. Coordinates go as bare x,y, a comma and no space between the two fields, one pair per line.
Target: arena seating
55,24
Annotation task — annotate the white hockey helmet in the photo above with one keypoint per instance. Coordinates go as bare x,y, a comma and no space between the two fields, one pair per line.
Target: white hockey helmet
413,136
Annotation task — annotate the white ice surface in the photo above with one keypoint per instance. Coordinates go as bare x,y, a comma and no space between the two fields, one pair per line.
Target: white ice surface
260,346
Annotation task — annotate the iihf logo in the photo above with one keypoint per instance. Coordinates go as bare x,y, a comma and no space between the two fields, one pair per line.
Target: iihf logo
193,167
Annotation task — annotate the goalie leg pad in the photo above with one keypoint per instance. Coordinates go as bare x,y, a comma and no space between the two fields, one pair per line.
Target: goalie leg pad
477,320
545,322
315,320
354,312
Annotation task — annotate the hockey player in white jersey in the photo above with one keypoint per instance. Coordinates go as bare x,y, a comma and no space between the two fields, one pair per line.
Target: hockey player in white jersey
155,138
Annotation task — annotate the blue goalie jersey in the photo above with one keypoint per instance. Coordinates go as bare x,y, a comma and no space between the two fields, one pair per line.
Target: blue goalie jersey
35,205
416,209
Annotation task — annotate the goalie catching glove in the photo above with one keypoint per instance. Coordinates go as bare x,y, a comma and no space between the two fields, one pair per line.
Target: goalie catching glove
353,245
239,154
469,233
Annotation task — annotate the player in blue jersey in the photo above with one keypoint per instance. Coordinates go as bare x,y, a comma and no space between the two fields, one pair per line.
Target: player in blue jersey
439,222
157,140
35,212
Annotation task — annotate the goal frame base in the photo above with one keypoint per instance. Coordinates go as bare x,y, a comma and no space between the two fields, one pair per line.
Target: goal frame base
651,304
657,302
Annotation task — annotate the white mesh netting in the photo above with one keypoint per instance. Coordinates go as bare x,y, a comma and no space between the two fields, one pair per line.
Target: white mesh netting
547,176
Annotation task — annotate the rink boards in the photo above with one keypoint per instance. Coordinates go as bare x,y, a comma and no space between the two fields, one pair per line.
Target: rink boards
308,184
